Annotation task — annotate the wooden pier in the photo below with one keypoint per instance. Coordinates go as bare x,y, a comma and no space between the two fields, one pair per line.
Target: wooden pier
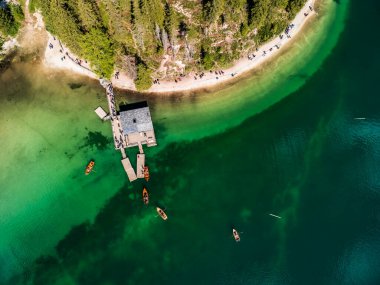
141,150
123,154
140,165
129,169
117,131
140,124
118,136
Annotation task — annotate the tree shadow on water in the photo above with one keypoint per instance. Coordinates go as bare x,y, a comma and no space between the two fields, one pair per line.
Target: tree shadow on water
96,139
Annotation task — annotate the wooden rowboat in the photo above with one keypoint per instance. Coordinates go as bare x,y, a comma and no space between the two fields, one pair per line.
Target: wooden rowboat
89,167
145,195
236,235
162,213
146,173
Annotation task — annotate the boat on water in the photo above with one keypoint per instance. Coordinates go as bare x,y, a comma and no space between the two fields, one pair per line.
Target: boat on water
276,216
162,213
146,173
89,167
236,235
145,195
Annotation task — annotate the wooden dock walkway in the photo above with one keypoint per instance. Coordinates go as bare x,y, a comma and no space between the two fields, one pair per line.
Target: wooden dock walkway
141,150
117,131
129,169
140,165
118,136
123,154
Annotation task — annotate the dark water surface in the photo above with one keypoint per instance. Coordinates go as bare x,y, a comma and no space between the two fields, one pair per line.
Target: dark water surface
305,158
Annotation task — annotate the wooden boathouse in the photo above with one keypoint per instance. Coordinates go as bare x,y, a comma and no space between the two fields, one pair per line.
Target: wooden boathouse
137,125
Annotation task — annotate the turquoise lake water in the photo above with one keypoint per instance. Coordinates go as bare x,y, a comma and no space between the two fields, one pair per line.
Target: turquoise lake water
284,140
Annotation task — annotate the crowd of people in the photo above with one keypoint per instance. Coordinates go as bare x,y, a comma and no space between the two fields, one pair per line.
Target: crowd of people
66,54
111,98
119,142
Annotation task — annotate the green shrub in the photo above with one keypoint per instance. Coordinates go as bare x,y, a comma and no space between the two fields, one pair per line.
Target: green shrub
143,80
17,12
33,4
2,41
98,49
8,24
244,30
294,6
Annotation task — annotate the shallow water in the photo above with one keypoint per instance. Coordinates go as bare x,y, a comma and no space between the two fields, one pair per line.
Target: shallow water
306,159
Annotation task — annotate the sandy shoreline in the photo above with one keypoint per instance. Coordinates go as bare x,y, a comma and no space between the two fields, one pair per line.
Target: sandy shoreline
57,56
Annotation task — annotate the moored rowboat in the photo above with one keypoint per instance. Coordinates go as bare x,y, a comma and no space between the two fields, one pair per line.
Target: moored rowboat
89,167
146,173
162,213
145,196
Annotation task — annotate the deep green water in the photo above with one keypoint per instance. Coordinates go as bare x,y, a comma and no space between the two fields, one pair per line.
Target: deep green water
221,162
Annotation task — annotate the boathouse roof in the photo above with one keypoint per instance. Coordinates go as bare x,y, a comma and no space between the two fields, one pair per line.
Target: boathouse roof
135,118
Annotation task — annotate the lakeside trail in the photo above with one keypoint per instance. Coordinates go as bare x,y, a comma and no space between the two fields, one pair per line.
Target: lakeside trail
57,56
32,37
